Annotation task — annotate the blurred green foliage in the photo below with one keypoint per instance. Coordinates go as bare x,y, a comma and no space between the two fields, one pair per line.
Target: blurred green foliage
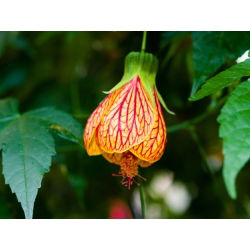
69,70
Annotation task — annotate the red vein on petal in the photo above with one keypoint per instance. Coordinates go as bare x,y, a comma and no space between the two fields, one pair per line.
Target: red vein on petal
152,148
129,120
93,122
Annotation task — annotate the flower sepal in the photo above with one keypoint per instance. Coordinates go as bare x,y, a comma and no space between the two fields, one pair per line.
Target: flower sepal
140,64
144,65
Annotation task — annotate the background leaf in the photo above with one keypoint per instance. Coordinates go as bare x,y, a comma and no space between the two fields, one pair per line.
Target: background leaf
213,49
222,80
235,131
28,147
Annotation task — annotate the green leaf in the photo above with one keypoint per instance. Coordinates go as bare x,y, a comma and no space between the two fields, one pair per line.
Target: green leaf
61,122
27,147
213,49
222,80
235,131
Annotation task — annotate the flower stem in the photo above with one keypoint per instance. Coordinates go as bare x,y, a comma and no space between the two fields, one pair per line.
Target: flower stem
187,124
197,119
142,199
144,40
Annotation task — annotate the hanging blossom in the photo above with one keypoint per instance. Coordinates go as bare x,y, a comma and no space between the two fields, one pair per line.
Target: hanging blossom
128,128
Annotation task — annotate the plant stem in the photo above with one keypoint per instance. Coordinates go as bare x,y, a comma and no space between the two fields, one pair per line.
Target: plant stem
144,40
197,119
142,199
187,124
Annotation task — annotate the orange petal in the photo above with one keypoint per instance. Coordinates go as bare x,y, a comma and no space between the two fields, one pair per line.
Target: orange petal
144,164
129,120
113,158
152,148
94,120
93,148
118,159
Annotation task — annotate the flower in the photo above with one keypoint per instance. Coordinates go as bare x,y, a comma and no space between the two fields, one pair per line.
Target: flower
128,127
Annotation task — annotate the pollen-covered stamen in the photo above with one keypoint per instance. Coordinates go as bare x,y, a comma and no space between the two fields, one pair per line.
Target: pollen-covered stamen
129,170
141,177
128,181
129,165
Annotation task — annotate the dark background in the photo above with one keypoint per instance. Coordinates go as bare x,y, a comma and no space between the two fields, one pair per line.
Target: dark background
69,70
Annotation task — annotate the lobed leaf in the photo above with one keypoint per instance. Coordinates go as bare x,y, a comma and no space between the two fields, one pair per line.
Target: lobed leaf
61,122
27,147
235,131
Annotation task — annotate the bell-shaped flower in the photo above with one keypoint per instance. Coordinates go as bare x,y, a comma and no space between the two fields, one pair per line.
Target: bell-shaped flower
128,127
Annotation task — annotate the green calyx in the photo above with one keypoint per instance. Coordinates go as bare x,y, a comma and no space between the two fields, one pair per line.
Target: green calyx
139,64
145,66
